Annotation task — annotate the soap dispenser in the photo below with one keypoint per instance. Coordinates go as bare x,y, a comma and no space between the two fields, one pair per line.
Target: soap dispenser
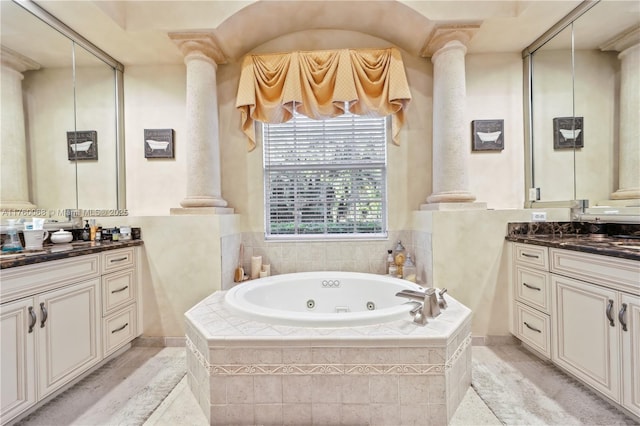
12,240
86,232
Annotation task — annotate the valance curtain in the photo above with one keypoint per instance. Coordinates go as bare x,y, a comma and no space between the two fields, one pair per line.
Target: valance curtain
319,84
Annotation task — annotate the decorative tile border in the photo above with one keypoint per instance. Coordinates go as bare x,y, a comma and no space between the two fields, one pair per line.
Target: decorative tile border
463,346
327,369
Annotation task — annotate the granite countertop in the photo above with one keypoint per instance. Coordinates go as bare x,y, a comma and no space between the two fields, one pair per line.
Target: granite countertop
61,251
613,240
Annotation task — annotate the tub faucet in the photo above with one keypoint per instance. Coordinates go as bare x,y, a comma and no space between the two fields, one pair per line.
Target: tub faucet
429,306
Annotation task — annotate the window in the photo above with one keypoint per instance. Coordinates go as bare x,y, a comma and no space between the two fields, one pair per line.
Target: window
326,178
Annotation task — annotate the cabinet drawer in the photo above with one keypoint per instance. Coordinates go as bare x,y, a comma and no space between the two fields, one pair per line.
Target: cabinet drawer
532,256
532,288
613,272
119,329
534,329
114,260
118,290
29,280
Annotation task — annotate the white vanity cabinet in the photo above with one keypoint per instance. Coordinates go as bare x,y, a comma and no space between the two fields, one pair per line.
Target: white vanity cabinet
61,318
585,309
18,357
68,334
119,297
531,289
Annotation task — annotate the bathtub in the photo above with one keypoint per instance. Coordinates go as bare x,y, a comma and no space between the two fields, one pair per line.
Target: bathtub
322,299
260,353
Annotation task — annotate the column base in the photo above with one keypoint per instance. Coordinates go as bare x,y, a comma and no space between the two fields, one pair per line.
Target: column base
626,194
453,206
202,201
451,197
200,211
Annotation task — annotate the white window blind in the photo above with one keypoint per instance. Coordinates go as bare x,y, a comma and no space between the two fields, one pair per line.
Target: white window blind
326,178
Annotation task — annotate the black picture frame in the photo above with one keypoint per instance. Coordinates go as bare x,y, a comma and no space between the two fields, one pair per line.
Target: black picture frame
158,143
82,145
487,135
563,130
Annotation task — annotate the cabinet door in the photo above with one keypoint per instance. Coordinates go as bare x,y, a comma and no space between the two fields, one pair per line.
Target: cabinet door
586,341
630,315
17,371
69,338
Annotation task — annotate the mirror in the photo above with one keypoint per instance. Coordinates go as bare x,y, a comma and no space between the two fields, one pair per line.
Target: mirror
69,154
580,134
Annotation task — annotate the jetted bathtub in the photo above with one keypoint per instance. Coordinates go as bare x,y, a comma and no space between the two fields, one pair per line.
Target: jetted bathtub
322,299
326,348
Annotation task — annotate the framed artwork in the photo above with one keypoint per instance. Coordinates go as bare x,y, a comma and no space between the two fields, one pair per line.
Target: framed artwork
487,135
82,145
568,132
158,143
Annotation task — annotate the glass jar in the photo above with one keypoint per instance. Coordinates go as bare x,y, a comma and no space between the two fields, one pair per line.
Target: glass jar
409,270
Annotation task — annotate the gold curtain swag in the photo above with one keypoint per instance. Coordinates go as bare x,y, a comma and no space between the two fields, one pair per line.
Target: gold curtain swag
318,84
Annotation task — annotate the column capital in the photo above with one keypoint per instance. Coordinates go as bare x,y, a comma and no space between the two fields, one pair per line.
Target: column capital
17,61
443,34
200,44
623,41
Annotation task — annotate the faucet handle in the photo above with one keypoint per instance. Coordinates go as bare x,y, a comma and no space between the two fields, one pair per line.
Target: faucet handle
441,302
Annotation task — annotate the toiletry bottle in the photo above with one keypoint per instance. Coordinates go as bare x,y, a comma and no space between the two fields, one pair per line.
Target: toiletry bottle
389,260
86,231
393,269
115,234
92,230
12,240
399,256
99,233
409,270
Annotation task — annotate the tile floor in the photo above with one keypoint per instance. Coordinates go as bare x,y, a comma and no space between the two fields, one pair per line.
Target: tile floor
179,407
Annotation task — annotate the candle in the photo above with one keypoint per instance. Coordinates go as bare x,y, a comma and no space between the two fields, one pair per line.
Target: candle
263,274
266,269
256,266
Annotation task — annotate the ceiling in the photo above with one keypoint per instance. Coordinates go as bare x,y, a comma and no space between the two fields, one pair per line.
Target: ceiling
135,32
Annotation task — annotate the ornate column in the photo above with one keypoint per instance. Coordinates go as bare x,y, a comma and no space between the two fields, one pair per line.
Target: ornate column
202,56
451,146
628,44
14,192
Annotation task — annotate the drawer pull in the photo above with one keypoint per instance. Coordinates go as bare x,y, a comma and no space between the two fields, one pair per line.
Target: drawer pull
120,259
34,319
45,314
621,316
609,309
120,329
532,328
534,256
531,287
120,289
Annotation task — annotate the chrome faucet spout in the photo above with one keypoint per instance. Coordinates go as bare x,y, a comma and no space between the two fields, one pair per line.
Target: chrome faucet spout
429,305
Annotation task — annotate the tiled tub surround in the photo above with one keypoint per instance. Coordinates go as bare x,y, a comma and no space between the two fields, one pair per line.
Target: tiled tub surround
616,240
306,256
248,372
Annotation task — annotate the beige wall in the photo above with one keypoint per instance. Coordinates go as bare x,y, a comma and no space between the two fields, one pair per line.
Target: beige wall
469,260
182,265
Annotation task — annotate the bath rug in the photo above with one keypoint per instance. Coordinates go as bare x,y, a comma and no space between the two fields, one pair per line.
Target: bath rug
522,389
124,391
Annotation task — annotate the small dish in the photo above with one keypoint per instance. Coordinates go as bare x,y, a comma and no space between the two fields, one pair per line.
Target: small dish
61,237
